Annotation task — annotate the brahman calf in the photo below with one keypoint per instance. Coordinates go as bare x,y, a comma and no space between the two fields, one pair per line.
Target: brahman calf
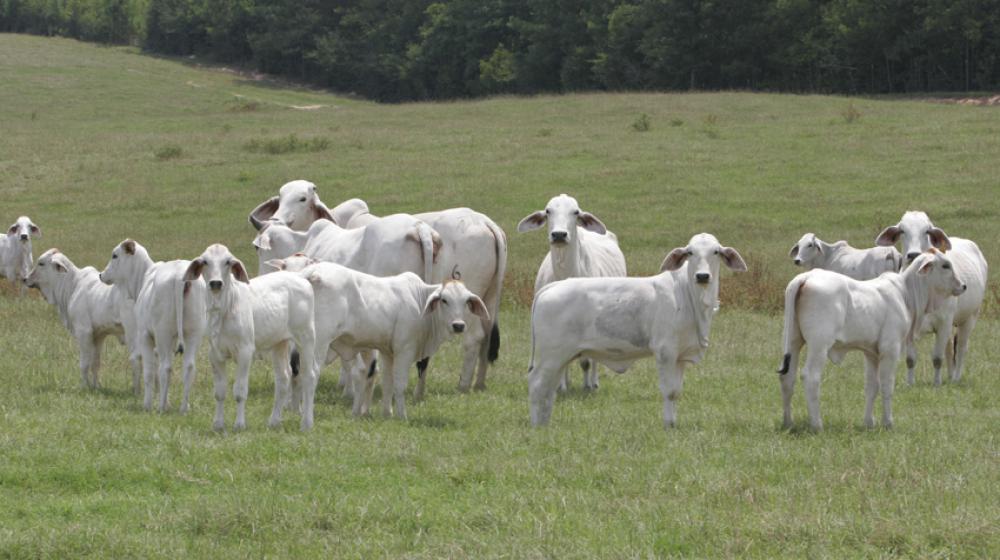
401,316
15,251
89,309
834,314
957,316
168,313
861,264
580,246
616,321
250,316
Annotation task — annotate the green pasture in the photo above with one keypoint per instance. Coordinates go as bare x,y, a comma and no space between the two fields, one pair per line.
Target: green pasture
98,144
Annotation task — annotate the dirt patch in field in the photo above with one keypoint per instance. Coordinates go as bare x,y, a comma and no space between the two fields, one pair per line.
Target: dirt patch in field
991,101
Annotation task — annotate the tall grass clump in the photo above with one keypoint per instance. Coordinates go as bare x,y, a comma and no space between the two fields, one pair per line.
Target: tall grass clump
287,144
168,152
642,123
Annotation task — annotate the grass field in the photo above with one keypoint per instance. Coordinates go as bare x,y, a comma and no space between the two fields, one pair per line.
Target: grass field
98,144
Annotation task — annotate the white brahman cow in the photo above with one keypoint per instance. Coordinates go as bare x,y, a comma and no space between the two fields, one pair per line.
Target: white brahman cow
401,316
616,321
89,309
957,316
861,264
248,316
833,314
580,246
168,313
297,206
15,251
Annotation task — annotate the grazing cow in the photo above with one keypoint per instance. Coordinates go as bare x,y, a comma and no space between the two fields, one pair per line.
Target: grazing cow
15,251
88,309
250,316
297,206
957,316
476,247
401,316
616,321
833,314
167,314
861,264
580,246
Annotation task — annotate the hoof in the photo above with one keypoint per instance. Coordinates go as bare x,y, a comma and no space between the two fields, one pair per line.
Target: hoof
219,426
479,387
464,389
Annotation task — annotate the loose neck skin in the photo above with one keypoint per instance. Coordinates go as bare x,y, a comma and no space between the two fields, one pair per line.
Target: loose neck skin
230,305
704,302
24,265
566,258
61,293
917,297
134,284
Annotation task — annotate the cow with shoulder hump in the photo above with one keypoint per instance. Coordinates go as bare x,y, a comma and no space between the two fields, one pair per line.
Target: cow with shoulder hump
952,322
580,246
297,206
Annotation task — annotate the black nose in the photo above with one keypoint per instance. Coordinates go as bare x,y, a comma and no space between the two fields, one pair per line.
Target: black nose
215,285
559,236
798,262
458,327
965,287
702,277
911,256
24,237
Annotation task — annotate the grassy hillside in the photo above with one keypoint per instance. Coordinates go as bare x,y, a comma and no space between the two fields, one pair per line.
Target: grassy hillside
98,144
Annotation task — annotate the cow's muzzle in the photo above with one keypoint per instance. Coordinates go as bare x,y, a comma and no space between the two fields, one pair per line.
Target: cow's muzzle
558,236
458,327
24,237
215,285
911,256
702,277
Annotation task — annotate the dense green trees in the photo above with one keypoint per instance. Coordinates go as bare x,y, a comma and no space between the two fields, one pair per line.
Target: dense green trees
422,49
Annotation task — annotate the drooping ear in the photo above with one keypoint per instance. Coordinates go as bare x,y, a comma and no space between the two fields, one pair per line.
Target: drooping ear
675,259
12,230
795,251
926,267
819,244
733,259
129,246
432,301
888,236
35,231
239,271
477,307
590,222
939,239
321,212
277,264
263,240
532,221
194,270
263,212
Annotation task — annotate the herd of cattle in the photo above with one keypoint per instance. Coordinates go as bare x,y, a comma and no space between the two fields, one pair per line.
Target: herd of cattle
343,283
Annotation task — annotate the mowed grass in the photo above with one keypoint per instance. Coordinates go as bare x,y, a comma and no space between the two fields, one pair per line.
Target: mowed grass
99,144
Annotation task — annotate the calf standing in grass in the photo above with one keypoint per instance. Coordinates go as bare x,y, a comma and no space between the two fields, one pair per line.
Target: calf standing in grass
88,309
579,246
861,264
250,316
15,251
834,314
401,316
958,315
616,321
168,313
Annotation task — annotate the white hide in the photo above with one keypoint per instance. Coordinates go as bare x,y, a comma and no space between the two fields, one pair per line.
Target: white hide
861,264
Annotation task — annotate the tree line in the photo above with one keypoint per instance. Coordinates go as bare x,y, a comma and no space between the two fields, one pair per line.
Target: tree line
398,50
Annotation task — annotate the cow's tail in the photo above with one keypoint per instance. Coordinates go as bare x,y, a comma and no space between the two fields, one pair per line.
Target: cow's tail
791,323
493,293
430,243
180,290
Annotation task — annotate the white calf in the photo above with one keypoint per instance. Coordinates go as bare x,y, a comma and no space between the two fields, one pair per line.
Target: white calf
616,321
15,251
957,316
861,264
249,316
580,246
834,314
88,309
164,318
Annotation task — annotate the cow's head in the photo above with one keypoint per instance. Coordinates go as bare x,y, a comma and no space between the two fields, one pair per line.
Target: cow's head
297,206
916,233
454,306
806,251
49,270
563,215
24,230
293,263
123,264
703,256
935,269
218,267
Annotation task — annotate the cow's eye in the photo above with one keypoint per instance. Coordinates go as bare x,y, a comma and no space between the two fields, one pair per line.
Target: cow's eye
114,256
946,266
576,213
303,199
547,211
809,246
444,301
716,251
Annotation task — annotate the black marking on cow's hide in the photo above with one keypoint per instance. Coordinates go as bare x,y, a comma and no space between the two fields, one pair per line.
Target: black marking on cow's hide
295,363
422,367
910,362
371,369
785,364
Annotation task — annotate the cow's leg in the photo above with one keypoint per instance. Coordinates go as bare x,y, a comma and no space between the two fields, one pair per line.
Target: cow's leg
671,384
86,344
95,364
388,377
279,362
400,377
788,384
543,382
472,344
564,380
871,389
484,356
191,343
418,391
163,374
962,346
306,340
241,386
911,362
942,335
811,374
148,351
363,378
219,382
887,384
589,368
